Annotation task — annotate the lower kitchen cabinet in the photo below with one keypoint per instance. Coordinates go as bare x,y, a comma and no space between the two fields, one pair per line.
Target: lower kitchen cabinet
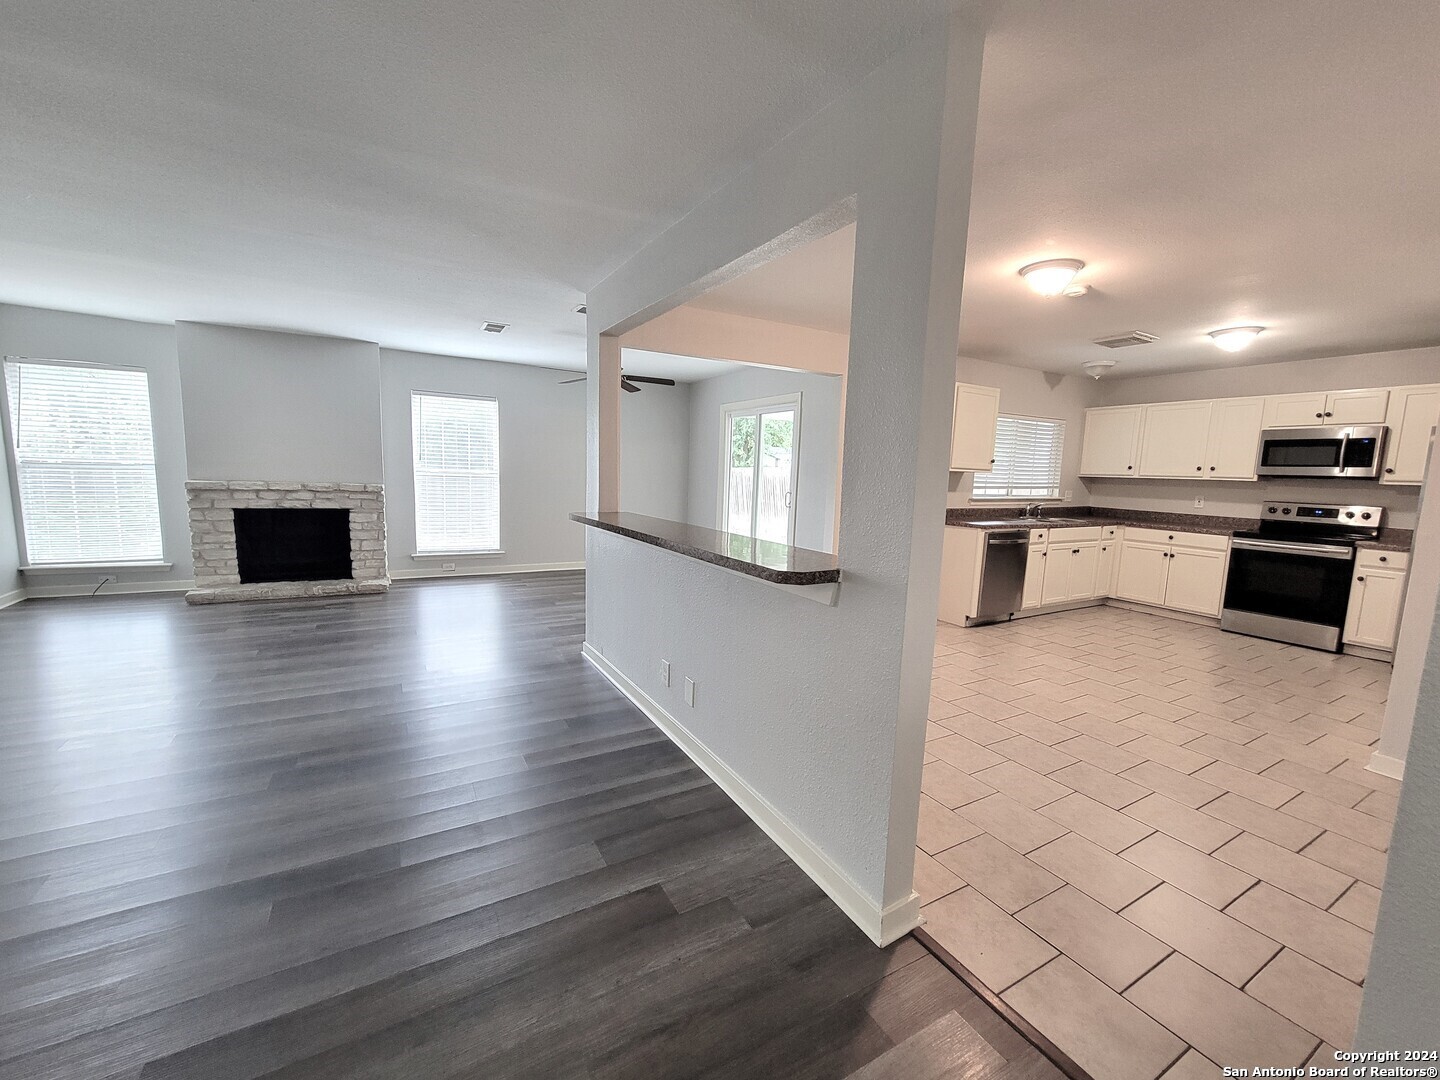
1184,571
1032,596
1376,599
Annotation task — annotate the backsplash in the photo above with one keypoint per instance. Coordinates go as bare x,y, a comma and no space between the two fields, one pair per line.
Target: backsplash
1245,498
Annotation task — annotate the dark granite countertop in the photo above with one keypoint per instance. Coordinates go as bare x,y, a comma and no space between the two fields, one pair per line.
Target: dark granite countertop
763,559
1388,540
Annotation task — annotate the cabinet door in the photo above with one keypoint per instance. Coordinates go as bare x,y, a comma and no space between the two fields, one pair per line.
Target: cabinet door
1034,576
1173,443
1105,568
1084,566
972,438
1234,440
1141,575
1412,415
1295,410
1356,406
1196,581
1112,441
1374,612
1058,562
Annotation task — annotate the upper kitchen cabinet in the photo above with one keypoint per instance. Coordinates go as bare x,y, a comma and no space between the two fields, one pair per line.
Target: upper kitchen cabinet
1173,442
1112,441
1234,438
1319,409
1412,415
972,438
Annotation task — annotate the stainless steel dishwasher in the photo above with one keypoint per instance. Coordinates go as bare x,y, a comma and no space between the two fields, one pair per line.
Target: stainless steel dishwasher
1002,579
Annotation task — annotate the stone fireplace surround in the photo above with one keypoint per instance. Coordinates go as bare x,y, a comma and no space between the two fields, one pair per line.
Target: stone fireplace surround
212,537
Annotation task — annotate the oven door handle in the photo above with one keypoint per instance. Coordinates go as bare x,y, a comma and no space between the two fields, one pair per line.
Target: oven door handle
1318,551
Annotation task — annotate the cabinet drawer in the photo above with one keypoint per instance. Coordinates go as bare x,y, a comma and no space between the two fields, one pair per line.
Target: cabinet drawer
1382,560
1038,537
1073,536
1202,541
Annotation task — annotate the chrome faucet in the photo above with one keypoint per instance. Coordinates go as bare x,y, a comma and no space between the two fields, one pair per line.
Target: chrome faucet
1033,510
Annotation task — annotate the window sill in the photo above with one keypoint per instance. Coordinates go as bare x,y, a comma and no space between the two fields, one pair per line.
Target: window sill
75,568
489,554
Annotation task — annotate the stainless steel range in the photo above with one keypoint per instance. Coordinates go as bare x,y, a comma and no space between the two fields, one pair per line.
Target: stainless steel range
1290,579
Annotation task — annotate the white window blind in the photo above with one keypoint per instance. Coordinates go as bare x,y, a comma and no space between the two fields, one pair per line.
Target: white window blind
457,472
1028,453
84,455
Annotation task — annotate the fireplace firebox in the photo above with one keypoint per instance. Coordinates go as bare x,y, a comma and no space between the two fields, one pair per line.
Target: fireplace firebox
281,544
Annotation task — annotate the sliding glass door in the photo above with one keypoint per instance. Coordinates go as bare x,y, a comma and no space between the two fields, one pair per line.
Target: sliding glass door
762,456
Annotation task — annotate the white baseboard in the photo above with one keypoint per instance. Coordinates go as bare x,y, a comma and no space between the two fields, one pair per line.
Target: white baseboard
484,571
882,926
1386,765
12,597
113,588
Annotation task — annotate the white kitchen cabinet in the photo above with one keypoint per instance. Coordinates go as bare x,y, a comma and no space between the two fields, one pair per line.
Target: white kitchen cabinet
1141,573
1058,563
972,436
1411,416
1377,597
1318,409
1031,596
961,562
1184,571
1105,563
1295,410
1111,444
1174,438
1195,580
1233,442
1084,570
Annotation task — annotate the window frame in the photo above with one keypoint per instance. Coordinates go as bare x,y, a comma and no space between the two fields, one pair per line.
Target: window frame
12,468
1010,496
434,553
774,403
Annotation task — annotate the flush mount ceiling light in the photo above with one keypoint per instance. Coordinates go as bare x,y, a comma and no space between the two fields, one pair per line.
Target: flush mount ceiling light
1051,277
1235,338
1096,368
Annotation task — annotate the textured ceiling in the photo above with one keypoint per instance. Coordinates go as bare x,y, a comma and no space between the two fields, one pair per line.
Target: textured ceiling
402,173
1214,164
387,171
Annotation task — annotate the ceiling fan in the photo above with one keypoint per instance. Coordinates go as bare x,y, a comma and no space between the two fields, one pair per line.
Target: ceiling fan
627,382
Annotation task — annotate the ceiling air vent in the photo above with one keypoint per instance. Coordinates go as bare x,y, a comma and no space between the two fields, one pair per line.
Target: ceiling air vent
1120,341
495,327
580,309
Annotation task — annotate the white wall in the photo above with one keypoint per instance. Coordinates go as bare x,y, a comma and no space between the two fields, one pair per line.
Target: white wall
1026,392
821,418
654,450
815,715
265,405
1240,498
1402,987
542,460
64,335
11,583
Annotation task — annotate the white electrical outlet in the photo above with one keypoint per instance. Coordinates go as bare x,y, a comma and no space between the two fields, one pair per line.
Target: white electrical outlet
1069,495
447,567
664,672
1199,501
690,691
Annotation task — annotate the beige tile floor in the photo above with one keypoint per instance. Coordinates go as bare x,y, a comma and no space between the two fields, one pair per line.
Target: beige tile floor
1156,841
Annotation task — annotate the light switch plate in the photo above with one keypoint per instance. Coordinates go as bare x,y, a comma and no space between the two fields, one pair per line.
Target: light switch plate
690,691
664,672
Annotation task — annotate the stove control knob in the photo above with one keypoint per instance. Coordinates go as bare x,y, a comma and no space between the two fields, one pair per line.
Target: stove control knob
1286,510
1271,509
1365,516
1349,513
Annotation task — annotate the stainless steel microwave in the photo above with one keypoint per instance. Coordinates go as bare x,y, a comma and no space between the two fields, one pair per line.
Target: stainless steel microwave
1353,452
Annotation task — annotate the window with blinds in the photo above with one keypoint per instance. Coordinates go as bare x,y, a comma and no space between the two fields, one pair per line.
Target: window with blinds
1028,453
457,473
84,454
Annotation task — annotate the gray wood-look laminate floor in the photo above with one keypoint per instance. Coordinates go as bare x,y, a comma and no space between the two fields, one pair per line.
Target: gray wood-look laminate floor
407,836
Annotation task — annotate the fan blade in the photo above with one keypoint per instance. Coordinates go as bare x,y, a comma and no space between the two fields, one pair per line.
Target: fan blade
650,379
567,382
629,387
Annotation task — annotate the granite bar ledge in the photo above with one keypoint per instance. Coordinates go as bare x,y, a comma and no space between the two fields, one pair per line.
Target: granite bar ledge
779,564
